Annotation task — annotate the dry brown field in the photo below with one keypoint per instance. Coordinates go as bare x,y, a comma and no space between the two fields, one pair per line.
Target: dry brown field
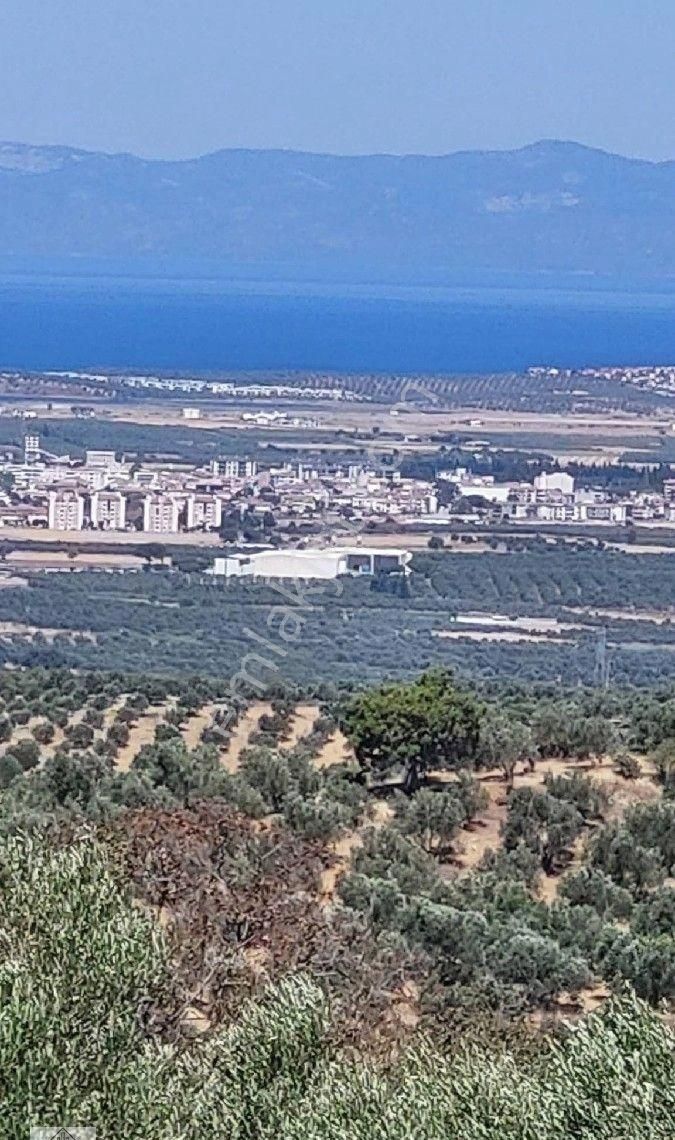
106,537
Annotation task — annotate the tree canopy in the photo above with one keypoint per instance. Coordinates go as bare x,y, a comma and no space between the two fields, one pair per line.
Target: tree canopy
425,724
86,975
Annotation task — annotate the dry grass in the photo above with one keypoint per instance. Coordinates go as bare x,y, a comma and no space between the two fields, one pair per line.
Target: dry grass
59,559
343,850
332,415
113,538
484,834
112,711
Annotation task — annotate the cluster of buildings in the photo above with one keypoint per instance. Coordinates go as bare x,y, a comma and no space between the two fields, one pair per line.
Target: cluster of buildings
272,390
553,498
104,493
653,378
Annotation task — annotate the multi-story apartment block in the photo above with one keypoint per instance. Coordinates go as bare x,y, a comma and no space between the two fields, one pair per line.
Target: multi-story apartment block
108,510
604,512
204,512
31,449
555,512
231,469
66,510
161,514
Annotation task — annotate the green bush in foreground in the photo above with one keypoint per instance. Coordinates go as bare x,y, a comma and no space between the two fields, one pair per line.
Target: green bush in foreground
85,978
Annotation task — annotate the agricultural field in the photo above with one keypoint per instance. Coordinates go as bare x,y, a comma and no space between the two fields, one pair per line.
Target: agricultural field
535,614
405,416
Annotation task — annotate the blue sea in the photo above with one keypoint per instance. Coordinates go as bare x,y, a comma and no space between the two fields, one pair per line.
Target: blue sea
99,322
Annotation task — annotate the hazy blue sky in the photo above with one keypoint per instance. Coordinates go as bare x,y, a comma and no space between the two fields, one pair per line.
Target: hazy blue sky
179,77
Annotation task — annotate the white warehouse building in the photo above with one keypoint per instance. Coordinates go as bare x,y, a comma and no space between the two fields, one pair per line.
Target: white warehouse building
309,564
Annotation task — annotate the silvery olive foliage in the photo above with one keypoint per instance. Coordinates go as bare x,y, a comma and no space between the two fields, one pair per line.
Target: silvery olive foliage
83,966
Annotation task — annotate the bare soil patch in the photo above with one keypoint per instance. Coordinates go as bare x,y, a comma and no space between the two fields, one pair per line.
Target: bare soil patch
302,722
60,560
193,728
336,750
140,733
484,834
245,726
658,617
343,850
12,582
15,628
113,538
506,635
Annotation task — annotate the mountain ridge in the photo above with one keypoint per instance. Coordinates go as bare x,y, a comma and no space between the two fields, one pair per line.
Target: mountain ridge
552,206
542,144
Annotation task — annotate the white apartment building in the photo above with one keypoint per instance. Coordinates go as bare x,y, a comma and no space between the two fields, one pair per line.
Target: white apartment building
160,514
95,478
100,459
144,478
549,481
108,510
31,449
231,469
556,512
204,512
65,511
601,512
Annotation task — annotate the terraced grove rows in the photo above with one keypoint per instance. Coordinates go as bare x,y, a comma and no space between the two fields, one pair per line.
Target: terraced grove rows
476,839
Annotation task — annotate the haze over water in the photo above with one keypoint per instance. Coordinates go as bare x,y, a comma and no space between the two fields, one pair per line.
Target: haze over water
201,325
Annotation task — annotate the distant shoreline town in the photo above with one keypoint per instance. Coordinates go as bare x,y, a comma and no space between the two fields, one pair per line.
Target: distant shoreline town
104,492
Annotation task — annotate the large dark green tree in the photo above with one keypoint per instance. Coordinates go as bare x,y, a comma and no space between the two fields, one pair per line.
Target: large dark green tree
427,724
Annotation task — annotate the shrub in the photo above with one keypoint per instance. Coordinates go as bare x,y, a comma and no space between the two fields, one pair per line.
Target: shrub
627,766
26,752
591,887
43,732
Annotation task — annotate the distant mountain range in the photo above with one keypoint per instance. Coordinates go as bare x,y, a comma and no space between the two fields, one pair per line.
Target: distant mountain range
551,208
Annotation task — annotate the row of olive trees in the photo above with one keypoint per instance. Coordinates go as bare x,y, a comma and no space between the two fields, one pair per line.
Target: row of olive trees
433,723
